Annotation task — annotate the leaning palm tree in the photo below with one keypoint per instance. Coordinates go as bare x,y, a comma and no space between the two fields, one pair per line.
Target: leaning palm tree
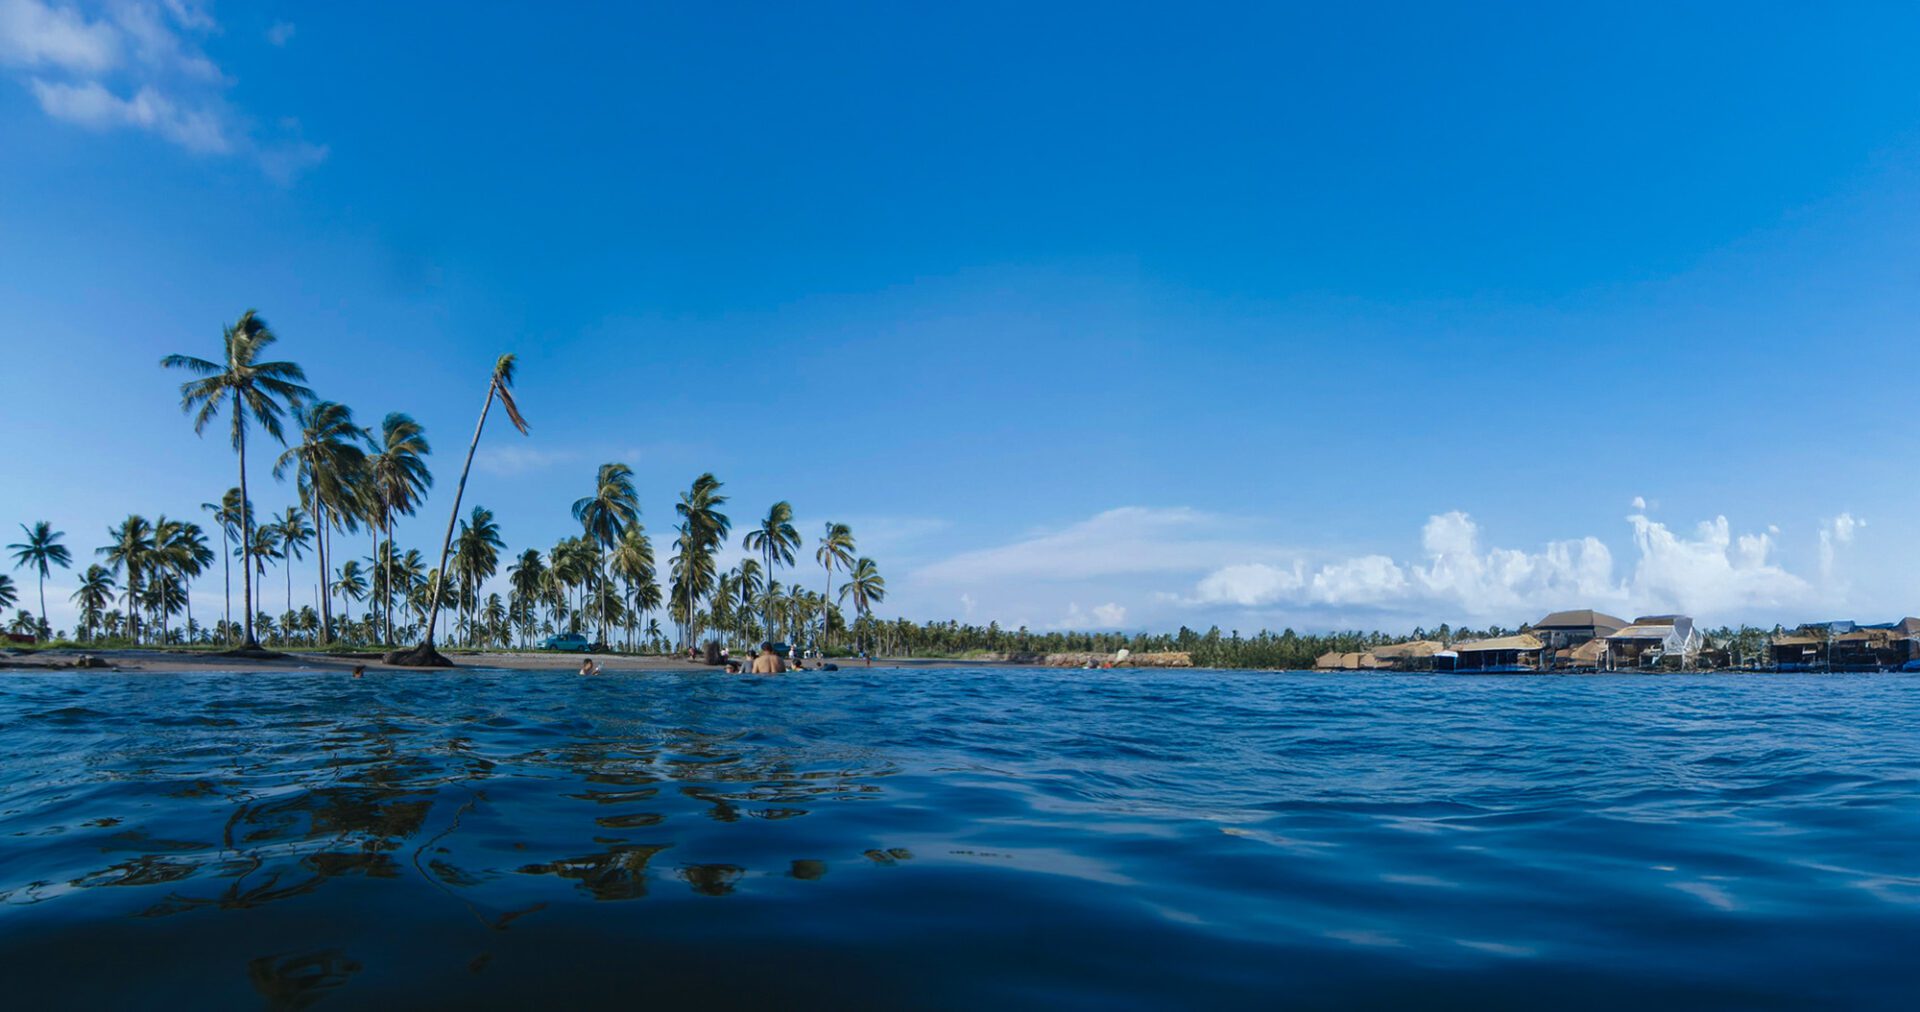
835,551
42,551
866,586
257,390
606,514
398,480
94,597
776,540
499,386
330,464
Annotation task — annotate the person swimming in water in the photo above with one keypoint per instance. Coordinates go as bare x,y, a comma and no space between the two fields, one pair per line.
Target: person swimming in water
766,662
359,670
588,666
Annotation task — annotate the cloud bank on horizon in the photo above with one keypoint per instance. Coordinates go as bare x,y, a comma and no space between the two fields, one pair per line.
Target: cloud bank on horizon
1185,565
139,65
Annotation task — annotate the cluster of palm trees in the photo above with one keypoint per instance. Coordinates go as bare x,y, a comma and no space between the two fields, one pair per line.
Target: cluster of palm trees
350,479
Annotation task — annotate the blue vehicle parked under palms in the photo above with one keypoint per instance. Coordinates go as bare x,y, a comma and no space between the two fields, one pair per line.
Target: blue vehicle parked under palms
567,643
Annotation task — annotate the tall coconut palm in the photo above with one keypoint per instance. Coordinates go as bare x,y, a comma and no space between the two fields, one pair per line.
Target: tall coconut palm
632,562
606,514
130,552
776,540
42,551
181,555
398,480
350,585
94,597
229,513
500,387
524,580
478,556
835,551
702,529
8,595
266,550
330,465
866,586
248,389
295,535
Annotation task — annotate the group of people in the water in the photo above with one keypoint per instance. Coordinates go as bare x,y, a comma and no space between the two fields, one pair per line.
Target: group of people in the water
766,661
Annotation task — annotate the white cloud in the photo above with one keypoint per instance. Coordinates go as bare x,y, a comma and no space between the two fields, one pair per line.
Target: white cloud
512,459
1104,616
1128,540
37,34
138,65
280,33
1834,535
1639,502
92,105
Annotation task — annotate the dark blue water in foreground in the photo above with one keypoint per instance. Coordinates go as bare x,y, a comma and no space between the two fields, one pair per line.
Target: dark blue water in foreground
959,839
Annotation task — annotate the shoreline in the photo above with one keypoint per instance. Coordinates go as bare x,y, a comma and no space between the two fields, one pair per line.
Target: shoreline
147,660
139,660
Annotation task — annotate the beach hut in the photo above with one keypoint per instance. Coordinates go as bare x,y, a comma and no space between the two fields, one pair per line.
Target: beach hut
1413,655
1562,631
1654,641
1503,654
1796,651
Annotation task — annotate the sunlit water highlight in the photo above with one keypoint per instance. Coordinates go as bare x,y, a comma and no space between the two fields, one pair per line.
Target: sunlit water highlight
1002,838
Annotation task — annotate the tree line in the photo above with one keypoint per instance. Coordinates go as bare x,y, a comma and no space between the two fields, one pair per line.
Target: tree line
352,481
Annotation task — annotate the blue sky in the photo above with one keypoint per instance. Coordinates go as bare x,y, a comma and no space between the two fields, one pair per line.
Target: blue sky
1114,315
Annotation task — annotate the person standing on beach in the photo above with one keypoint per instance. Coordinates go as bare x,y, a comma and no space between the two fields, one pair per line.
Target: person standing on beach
766,662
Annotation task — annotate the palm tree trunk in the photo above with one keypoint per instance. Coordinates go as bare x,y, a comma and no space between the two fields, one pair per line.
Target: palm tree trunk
246,518
453,516
43,601
226,568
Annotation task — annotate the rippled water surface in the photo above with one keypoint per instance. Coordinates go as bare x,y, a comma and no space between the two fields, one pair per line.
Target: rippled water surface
999,838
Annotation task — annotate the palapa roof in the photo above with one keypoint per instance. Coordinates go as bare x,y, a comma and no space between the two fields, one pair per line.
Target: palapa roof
1330,659
1584,618
1644,631
1524,641
1589,652
1796,641
1907,627
1412,648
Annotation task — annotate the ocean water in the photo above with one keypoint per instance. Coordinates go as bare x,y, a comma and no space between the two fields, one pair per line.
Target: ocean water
959,839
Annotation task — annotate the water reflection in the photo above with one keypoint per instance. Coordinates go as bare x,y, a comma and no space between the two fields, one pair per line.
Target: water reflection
407,818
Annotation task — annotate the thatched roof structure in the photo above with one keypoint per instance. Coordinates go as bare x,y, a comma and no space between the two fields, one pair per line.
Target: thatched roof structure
1583,618
1408,650
1524,641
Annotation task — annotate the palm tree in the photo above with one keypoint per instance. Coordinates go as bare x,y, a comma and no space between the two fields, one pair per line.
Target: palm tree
130,552
499,385
350,585
42,550
94,597
607,513
776,540
702,529
632,562
8,595
256,389
266,549
866,586
836,550
295,536
331,469
229,513
478,557
181,555
398,480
